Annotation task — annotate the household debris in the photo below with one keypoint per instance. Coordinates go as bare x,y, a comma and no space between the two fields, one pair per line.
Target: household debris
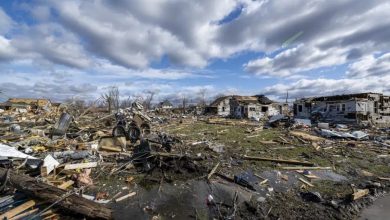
67,162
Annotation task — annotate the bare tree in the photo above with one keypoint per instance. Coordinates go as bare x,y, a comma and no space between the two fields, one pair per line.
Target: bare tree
111,98
202,96
150,94
219,95
126,102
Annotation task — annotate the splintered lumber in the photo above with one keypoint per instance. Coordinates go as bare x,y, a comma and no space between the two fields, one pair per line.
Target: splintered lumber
296,162
306,168
359,194
66,184
15,211
115,144
80,166
52,216
51,194
125,197
306,136
213,171
305,182
24,214
109,148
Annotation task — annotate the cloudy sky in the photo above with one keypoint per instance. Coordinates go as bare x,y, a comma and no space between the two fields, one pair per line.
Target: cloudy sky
60,49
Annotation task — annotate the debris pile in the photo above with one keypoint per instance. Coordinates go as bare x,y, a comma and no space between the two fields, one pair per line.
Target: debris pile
65,162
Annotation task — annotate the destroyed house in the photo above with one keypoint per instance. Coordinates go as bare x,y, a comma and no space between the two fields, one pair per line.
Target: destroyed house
220,106
165,105
254,107
26,103
358,108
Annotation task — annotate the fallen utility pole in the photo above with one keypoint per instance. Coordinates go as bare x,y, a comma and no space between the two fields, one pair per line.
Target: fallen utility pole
296,162
51,194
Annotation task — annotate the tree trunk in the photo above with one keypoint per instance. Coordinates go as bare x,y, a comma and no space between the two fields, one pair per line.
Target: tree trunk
74,203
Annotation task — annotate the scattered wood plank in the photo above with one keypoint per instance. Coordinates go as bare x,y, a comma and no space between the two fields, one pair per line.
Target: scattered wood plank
51,194
306,136
112,143
252,136
48,212
306,168
296,162
112,149
52,216
263,182
213,171
311,176
283,139
80,166
305,182
129,179
24,214
116,195
359,194
384,178
268,142
125,197
19,209
227,178
66,184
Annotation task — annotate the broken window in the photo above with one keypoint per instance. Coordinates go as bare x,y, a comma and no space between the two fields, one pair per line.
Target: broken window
252,109
264,108
343,107
299,108
223,108
376,107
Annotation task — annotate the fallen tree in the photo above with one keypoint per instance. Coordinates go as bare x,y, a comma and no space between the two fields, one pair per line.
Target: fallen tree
51,194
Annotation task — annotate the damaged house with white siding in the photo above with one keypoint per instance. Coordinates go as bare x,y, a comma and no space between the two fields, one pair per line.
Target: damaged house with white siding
220,106
249,107
360,108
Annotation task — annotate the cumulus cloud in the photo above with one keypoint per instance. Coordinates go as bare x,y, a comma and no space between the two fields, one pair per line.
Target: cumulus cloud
50,42
333,33
294,60
370,66
143,31
320,87
7,51
104,42
5,22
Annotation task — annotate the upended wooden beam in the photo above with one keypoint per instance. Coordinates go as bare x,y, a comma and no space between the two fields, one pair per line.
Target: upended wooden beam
296,162
74,203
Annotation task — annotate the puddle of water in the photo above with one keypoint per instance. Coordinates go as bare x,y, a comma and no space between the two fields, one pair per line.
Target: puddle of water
380,210
179,201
